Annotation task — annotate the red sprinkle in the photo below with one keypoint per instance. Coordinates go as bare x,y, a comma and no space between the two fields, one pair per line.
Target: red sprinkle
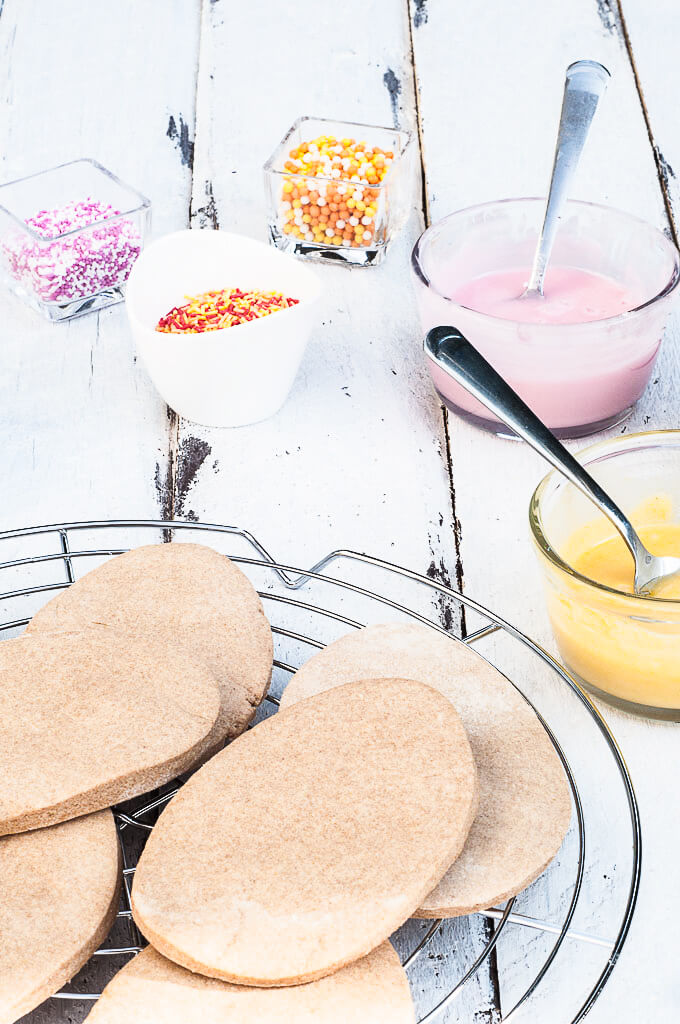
212,311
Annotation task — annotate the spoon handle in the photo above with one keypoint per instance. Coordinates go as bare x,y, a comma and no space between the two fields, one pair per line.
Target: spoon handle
585,83
454,354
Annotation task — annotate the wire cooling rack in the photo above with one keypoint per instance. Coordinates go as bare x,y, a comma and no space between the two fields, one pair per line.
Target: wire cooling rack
543,956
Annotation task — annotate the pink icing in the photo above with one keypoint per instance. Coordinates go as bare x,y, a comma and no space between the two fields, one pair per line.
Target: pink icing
571,296
571,367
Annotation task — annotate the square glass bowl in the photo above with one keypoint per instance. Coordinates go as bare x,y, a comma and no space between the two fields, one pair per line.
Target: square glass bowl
339,217
69,237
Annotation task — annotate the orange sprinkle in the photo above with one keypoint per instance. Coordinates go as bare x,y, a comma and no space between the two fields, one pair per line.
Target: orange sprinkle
213,311
334,179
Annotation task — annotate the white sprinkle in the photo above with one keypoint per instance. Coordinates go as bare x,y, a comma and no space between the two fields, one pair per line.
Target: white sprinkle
330,232
340,225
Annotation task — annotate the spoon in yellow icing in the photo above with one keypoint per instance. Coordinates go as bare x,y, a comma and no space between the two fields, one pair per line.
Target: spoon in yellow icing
457,357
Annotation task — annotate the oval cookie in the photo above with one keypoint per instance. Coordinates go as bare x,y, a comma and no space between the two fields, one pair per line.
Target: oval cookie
304,844
60,889
524,800
90,719
184,594
152,990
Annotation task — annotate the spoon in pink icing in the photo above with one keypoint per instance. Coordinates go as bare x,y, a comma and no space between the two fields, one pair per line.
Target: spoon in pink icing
585,83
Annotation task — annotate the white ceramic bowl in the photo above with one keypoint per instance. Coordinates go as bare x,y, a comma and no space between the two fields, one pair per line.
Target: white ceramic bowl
237,375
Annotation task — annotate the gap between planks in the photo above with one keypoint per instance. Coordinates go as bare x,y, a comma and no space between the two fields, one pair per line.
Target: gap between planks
661,165
168,488
458,575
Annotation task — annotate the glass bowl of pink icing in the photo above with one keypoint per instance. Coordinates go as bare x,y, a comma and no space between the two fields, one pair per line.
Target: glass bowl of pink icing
582,356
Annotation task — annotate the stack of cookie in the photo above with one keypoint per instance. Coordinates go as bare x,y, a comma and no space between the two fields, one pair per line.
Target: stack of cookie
137,672
403,776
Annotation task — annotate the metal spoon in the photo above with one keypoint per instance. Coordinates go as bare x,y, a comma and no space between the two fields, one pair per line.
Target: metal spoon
585,83
454,354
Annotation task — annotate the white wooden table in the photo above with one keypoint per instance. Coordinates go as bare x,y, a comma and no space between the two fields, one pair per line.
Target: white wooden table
185,100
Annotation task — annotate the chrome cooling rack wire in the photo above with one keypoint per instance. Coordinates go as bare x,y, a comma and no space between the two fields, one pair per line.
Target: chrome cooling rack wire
69,547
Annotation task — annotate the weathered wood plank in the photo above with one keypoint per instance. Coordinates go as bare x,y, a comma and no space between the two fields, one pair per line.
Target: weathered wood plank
657,76
657,80
83,433
357,456
489,83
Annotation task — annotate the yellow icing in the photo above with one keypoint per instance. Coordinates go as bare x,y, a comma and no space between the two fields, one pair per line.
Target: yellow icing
625,646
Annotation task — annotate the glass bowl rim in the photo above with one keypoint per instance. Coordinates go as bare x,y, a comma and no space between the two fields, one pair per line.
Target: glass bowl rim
668,288
142,204
544,545
405,135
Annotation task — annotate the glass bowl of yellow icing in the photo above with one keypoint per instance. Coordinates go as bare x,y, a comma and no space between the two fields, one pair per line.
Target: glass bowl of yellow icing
625,649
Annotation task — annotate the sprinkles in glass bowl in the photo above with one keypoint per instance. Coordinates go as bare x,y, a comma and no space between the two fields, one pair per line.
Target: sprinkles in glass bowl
76,259
229,307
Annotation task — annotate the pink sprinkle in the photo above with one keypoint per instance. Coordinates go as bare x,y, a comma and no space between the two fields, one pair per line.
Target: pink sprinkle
79,265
